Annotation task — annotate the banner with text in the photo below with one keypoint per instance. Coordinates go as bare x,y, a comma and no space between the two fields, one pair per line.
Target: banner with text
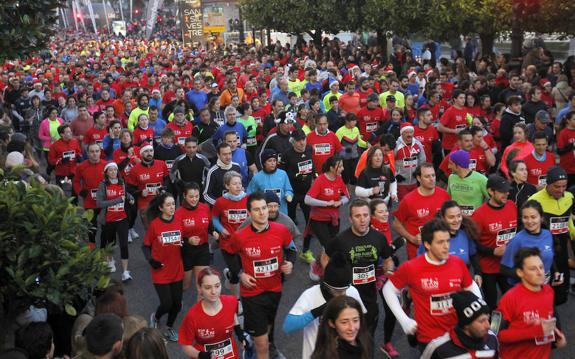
191,21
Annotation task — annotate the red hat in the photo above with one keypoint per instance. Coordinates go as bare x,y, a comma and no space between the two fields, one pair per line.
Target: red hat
544,82
406,126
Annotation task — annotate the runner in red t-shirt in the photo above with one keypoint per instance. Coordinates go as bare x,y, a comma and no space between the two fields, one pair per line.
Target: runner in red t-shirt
207,330
427,134
418,207
97,133
431,279
481,155
539,161
196,220
565,149
264,249
528,324
162,249
496,222
142,132
323,142
453,121
370,117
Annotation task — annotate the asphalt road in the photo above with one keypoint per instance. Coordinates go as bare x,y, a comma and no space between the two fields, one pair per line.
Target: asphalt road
142,300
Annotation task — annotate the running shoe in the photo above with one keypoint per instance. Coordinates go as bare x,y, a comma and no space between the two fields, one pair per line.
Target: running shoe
307,256
390,350
171,335
126,276
135,235
227,283
153,321
130,239
112,266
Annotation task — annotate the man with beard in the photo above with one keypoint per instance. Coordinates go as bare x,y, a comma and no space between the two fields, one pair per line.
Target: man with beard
409,154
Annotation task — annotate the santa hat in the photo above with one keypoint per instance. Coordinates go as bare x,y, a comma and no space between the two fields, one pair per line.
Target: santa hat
406,126
145,146
351,67
544,82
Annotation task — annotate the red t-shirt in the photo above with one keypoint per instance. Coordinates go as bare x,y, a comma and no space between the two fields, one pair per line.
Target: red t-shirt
537,170
521,307
141,135
567,160
148,179
231,214
453,118
325,189
415,210
350,103
368,121
477,160
363,96
322,147
195,222
211,333
165,239
261,254
65,156
116,212
431,286
181,132
88,176
119,155
496,227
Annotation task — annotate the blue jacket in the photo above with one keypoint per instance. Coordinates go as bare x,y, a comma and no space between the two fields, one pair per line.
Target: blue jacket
237,127
277,182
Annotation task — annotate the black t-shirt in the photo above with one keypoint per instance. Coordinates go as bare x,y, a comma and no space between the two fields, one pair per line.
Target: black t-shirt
363,253
299,168
370,177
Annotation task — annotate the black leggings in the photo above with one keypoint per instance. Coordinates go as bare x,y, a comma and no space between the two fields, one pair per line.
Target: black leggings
109,232
94,223
170,301
324,231
490,283
348,174
230,260
132,212
388,322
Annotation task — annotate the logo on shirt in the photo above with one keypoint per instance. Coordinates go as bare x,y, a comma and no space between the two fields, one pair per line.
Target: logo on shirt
253,251
429,283
189,222
494,227
422,212
206,333
144,176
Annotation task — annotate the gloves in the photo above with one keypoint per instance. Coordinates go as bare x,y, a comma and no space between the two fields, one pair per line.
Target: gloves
204,355
83,193
318,311
399,178
155,264
397,243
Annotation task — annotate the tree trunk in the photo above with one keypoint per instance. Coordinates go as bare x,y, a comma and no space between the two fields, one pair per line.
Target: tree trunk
382,43
487,42
317,37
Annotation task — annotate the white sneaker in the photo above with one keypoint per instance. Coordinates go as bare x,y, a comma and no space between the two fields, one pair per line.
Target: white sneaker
126,276
130,240
135,234
112,266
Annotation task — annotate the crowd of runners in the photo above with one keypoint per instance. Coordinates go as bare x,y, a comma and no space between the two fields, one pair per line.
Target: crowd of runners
466,165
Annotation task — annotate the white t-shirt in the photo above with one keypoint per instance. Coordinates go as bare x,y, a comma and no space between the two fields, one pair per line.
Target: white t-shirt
312,298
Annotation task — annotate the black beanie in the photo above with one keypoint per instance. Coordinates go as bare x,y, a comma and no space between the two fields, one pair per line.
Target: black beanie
468,307
337,273
555,174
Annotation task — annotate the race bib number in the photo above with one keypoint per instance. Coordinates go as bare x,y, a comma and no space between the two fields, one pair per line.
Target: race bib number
169,164
467,210
266,268
363,275
119,207
370,127
559,225
460,127
152,188
93,193
305,167
410,162
171,238
251,141
237,216
548,339
472,164
542,181
182,141
221,350
440,304
322,149
70,155
504,236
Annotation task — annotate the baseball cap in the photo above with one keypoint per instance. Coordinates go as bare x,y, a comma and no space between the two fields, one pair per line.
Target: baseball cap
498,184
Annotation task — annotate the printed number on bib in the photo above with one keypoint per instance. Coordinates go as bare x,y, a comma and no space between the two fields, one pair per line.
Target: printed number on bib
223,349
119,207
251,141
152,188
472,164
171,238
266,268
93,193
363,275
237,216
70,155
440,304
305,167
504,236
322,149
542,180
169,164
182,141
370,127
559,225
467,210
277,191
548,339
410,162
